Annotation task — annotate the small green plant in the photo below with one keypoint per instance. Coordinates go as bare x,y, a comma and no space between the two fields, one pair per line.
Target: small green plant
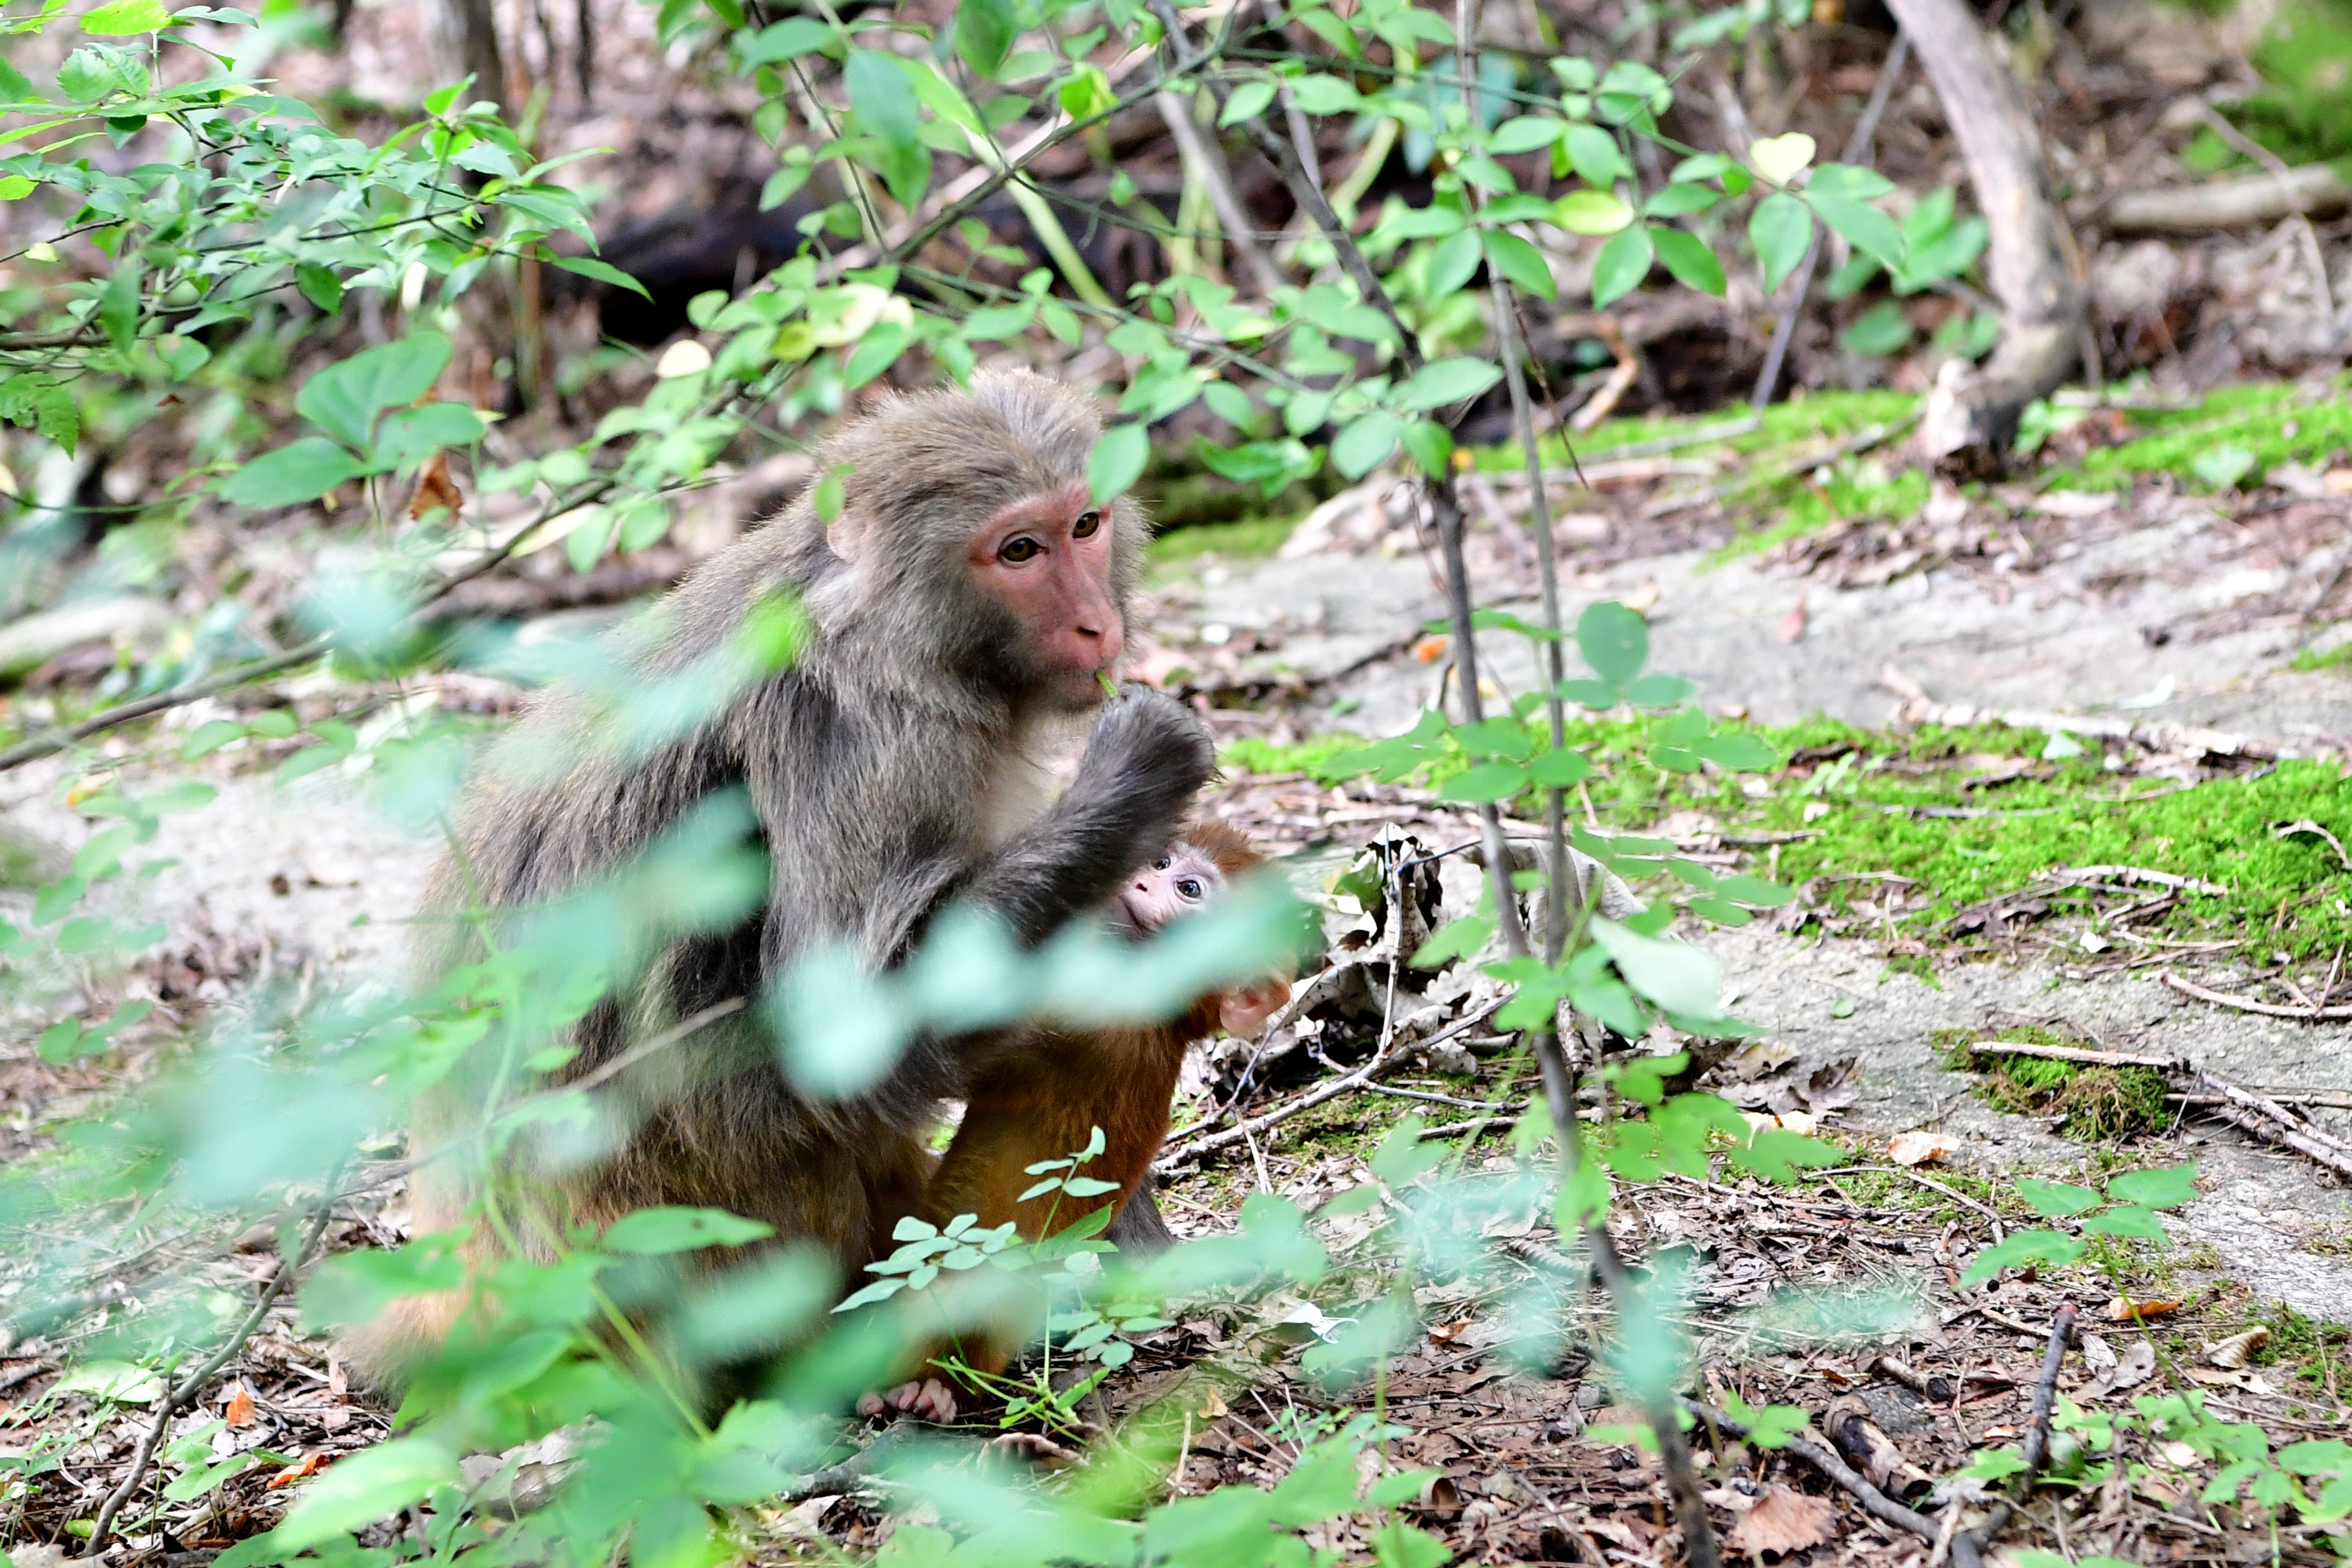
2127,1208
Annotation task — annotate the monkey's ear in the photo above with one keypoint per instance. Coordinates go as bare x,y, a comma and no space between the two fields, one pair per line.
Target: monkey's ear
1243,1012
845,536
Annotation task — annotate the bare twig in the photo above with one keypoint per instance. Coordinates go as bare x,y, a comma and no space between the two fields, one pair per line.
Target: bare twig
2037,1435
1857,148
2248,1004
2072,1053
1207,161
1874,1503
1172,1155
178,1397
55,740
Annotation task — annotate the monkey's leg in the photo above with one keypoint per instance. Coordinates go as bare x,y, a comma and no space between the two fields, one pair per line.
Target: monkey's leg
1139,1227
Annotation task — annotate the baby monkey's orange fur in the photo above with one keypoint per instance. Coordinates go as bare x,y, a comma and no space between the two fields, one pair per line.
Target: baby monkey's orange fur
1120,1080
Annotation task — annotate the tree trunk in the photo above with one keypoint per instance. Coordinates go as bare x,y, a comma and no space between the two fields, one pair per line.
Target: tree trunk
1974,410
465,43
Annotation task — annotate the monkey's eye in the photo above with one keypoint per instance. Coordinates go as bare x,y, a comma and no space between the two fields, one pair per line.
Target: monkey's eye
1190,887
1018,548
1084,528
1162,864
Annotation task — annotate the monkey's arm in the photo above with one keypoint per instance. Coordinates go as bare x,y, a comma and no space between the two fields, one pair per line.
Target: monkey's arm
1145,758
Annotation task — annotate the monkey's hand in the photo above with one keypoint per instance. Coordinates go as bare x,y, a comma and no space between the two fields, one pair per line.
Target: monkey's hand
1150,750
1148,755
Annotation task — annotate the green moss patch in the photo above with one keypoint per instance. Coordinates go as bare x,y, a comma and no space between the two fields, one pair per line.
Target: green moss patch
2269,423
1229,541
2097,1104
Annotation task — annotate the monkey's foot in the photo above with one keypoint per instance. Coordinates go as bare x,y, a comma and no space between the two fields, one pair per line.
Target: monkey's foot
929,1400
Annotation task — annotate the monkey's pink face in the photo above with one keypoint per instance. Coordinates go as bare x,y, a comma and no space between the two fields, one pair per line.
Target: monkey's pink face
1047,560
1180,881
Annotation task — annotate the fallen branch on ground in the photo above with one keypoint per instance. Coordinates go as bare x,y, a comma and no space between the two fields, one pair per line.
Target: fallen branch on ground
2248,1004
1874,1503
2075,1054
2037,1434
2315,190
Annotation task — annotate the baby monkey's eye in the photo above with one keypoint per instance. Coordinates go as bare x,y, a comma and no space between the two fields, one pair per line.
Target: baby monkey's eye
1018,548
1087,522
1162,864
1190,887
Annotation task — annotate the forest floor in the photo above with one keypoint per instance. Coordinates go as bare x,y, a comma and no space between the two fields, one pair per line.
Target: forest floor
2179,632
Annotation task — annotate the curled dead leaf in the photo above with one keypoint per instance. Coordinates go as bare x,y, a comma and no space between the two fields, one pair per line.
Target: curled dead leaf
435,490
1643,600
239,1409
1785,1521
2235,1351
309,1465
2124,1309
1918,1148
1431,649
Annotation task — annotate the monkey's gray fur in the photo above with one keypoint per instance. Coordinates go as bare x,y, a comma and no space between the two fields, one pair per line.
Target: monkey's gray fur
867,763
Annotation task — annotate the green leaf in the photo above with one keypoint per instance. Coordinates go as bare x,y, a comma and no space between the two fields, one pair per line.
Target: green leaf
1453,261
1488,782
1527,133
1596,156
602,271
2167,1186
2022,1248
1590,213
1443,382
1560,769
1662,691
303,471
1779,229
117,302
1366,443
126,18
361,1488
58,1043
786,40
409,436
1430,445
1621,264
1679,201
345,399
2126,1221
676,1230
1879,331
1687,257
884,103
1736,751
2220,468
1865,228
2056,1199
1614,641
1117,461
984,31
1463,938
1676,976
1521,263
16,88
320,286
1247,102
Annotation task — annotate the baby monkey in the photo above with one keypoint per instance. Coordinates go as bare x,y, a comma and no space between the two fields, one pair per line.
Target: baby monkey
1120,1079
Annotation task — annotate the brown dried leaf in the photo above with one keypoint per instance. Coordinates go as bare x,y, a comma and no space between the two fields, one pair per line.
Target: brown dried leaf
1918,1148
1785,1521
435,488
2124,1309
1792,625
239,1410
2237,1349
302,1469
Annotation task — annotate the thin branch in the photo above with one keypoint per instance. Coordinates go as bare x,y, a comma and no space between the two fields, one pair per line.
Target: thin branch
1874,1503
1207,163
1857,148
1171,1156
2037,1435
194,1384
57,740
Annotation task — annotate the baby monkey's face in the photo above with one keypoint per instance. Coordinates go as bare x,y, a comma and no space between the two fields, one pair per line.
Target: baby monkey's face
1182,881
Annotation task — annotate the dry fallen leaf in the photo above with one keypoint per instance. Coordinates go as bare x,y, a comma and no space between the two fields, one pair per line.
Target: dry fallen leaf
2235,1351
1431,649
1785,1521
302,1469
1212,1405
2337,481
1447,1334
1643,600
239,1411
2124,1309
1918,1148
1792,625
435,488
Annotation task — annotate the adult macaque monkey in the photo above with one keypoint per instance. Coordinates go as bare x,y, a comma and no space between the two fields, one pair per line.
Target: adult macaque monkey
1122,1080
967,596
